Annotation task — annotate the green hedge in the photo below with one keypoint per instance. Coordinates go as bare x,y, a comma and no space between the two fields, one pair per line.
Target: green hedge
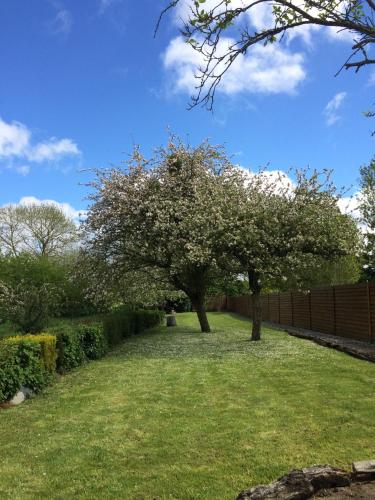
32,360
78,343
121,323
26,361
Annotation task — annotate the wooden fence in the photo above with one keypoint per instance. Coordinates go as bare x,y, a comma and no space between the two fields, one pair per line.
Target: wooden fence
345,310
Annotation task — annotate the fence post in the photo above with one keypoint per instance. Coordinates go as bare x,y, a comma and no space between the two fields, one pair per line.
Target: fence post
310,322
279,309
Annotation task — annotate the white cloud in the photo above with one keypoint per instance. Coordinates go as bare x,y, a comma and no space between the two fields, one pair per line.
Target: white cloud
331,111
68,210
52,149
62,22
104,4
15,143
371,80
269,69
14,139
275,181
350,204
23,169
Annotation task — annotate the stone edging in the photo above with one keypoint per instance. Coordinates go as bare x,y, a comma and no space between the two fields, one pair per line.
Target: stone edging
301,484
344,345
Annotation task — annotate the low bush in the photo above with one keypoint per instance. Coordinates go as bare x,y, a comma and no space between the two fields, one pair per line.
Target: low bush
26,361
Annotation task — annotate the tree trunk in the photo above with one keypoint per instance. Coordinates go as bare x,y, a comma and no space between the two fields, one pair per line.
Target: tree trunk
202,316
255,289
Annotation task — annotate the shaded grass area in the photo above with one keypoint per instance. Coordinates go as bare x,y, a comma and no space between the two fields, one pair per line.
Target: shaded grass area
178,414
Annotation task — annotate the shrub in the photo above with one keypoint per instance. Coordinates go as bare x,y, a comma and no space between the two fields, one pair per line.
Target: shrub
48,351
93,340
77,343
10,371
26,361
70,352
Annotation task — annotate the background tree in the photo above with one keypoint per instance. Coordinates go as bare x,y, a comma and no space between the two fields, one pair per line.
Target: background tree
29,291
316,271
163,214
275,230
39,229
11,230
211,20
367,208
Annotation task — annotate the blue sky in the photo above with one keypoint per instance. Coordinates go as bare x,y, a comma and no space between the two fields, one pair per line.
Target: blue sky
82,81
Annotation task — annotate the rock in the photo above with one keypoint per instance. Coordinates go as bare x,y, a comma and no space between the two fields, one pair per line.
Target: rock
18,398
21,395
293,486
364,470
299,484
324,476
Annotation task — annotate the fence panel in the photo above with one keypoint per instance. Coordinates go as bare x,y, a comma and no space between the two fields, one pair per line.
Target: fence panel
352,314
286,313
371,301
345,310
265,308
301,310
274,308
323,310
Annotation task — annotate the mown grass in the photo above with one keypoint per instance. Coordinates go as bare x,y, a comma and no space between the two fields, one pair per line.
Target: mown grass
178,414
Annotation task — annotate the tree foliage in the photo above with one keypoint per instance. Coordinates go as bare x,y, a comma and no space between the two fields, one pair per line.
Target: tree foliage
211,20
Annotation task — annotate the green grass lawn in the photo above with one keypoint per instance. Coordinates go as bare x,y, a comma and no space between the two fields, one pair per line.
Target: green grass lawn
178,414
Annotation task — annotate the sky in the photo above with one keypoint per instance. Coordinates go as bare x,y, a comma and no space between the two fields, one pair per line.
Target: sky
82,82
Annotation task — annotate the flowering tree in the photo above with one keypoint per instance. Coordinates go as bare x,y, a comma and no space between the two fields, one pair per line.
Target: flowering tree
162,213
210,21
277,228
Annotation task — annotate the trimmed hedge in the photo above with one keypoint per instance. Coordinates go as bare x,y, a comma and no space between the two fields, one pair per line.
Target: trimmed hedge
93,340
26,361
32,360
121,323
